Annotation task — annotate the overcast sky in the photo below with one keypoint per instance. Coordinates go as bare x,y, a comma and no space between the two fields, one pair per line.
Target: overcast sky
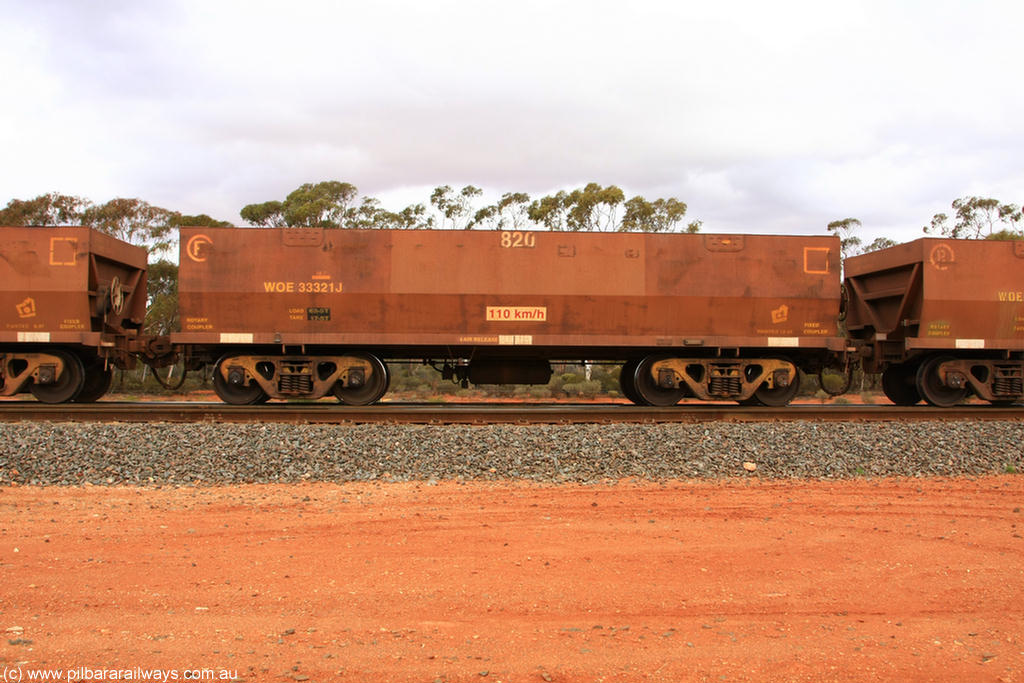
762,116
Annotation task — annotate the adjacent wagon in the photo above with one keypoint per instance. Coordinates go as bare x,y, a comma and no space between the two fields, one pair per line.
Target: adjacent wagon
72,301
941,319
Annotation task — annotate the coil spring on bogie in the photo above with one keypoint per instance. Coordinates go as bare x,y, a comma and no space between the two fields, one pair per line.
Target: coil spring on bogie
1008,381
725,386
295,384
1007,386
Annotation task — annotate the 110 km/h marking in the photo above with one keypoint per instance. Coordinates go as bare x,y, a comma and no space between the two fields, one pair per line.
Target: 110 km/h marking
517,313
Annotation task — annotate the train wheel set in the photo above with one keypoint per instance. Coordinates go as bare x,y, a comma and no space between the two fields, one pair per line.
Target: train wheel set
357,379
664,381
360,379
944,381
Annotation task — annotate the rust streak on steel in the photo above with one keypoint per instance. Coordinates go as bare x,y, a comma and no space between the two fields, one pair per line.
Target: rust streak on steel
490,413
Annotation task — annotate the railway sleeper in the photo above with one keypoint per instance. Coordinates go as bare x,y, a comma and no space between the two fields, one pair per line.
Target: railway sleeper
992,380
287,377
767,380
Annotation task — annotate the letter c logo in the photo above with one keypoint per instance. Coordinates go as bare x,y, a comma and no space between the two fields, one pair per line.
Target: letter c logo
196,247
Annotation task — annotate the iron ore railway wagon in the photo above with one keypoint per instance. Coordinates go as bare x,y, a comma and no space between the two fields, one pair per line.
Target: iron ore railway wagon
941,319
287,313
72,302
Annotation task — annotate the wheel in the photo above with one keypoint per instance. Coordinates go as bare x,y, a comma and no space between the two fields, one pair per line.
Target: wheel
626,381
929,383
67,386
899,384
776,397
97,382
647,389
372,390
236,394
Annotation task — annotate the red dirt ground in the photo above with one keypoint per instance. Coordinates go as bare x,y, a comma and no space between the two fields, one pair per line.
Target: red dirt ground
908,580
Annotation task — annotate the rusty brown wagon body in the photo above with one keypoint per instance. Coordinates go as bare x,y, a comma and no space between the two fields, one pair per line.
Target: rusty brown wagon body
941,318
302,312
71,303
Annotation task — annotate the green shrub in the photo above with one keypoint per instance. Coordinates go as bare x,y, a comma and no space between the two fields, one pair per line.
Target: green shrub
586,389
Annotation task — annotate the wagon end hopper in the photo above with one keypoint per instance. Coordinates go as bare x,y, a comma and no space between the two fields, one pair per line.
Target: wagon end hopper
941,319
71,302
505,302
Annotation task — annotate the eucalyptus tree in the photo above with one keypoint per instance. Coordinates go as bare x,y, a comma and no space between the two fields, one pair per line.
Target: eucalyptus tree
843,229
978,218
455,207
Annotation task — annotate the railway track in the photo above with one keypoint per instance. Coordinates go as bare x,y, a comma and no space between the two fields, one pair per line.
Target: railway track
482,413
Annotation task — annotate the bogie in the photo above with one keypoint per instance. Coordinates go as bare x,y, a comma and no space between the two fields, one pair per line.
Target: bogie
59,382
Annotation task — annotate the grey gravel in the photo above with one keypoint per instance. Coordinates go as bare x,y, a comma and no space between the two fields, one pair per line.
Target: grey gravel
206,454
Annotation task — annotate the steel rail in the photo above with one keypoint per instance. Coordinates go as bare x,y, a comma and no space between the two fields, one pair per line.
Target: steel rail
483,413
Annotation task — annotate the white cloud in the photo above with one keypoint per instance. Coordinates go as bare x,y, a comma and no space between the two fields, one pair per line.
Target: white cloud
769,117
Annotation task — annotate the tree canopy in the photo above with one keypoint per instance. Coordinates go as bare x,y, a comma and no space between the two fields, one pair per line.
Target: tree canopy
595,208
843,229
162,289
661,215
46,209
132,220
974,218
332,204
508,213
455,207
591,208
320,205
978,218
336,204
850,244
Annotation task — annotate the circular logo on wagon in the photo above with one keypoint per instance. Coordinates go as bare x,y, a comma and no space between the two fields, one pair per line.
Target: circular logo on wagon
116,296
941,256
196,247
